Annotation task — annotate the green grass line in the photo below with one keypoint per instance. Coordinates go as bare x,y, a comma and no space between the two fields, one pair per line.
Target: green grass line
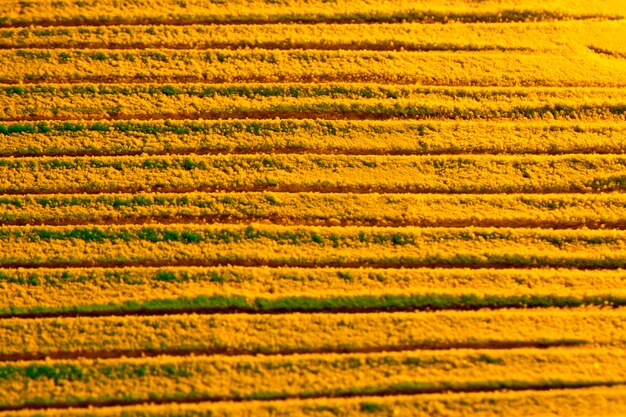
217,303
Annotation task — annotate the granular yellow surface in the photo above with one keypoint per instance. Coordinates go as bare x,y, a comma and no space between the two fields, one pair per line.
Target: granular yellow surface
312,208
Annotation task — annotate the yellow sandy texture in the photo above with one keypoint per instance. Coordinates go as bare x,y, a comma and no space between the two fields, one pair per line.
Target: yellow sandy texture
280,172
335,100
317,332
315,136
586,402
287,376
508,210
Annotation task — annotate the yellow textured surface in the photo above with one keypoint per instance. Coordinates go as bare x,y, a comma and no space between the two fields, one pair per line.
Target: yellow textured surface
298,332
250,377
330,100
588,402
312,208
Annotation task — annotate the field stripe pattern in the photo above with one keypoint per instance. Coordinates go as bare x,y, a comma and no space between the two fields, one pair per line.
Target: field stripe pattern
297,207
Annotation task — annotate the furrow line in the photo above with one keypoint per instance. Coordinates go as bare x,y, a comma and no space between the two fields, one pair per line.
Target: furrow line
505,16
583,402
279,188
594,149
139,353
303,114
95,405
608,52
305,78
332,305
313,264
364,113
112,46
158,219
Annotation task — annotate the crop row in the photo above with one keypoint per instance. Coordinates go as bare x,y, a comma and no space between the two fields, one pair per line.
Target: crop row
335,90
454,210
258,289
329,101
581,402
310,172
309,246
300,136
71,337
109,12
86,381
485,68
407,36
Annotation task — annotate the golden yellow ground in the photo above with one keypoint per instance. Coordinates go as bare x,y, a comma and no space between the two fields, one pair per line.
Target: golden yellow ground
312,208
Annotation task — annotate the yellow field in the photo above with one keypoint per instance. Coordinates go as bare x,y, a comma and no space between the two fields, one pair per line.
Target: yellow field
584,402
287,289
314,172
110,12
244,65
218,377
355,137
108,336
594,211
410,36
312,208
297,100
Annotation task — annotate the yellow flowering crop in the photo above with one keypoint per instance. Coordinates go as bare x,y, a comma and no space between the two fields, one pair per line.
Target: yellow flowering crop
172,11
253,377
540,36
309,246
583,402
247,333
219,66
335,100
317,208
311,208
312,172
258,289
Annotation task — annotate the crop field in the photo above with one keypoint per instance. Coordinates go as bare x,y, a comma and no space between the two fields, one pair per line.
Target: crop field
323,208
